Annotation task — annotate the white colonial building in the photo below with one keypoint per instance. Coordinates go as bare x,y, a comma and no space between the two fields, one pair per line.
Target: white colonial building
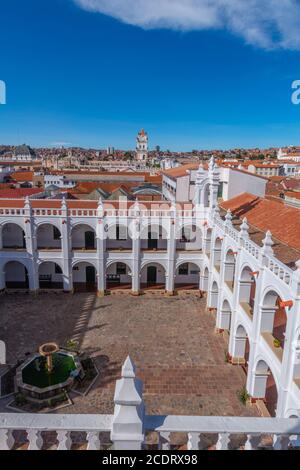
75,245
24,153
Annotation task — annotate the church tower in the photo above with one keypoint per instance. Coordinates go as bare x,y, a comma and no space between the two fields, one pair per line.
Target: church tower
141,151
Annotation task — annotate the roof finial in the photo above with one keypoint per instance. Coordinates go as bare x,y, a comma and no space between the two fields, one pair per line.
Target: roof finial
267,244
228,218
200,174
244,229
128,369
211,164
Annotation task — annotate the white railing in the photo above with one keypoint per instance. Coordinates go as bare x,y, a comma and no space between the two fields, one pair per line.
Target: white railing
96,432
280,270
17,429
275,266
222,433
252,248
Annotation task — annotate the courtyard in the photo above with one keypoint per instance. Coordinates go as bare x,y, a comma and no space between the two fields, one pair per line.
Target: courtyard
171,340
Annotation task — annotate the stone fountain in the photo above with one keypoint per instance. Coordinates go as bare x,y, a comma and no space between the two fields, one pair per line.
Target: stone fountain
48,373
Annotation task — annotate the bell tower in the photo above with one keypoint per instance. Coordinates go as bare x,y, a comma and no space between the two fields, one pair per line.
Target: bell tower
141,151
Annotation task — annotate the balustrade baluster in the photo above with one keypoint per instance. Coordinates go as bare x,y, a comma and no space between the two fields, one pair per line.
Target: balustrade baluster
252,442
35,439
164,441
193,441
93,439
223,441
7,439
64,440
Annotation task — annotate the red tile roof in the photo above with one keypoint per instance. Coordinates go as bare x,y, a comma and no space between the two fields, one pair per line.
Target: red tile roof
293,194
181,170
22,176
88,204
16,193
265,214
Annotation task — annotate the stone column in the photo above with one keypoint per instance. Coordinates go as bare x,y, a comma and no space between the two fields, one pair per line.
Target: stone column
171,249
101,250
65,247
136,256
31,247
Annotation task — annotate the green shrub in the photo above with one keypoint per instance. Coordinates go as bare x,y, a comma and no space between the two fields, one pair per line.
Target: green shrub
71,344
243,395
20,399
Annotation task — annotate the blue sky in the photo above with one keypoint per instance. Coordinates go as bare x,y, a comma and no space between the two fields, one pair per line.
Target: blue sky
78,76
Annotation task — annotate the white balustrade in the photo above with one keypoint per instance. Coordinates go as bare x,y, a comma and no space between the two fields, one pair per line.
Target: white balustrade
128,428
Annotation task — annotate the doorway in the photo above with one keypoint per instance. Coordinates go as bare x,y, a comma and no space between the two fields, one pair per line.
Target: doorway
152,242
90,274
89,240
151,275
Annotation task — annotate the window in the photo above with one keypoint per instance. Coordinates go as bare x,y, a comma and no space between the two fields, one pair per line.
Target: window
183,269
121,268
220,189
56,233
58,269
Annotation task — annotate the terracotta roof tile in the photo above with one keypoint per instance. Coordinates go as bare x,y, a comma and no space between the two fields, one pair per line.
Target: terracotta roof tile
22,176
18,192
181,170
265,214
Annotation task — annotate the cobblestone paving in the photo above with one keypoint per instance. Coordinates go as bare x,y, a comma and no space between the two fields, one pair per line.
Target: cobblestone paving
171,339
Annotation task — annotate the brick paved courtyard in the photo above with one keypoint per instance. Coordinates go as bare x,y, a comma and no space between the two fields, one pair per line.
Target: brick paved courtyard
171,340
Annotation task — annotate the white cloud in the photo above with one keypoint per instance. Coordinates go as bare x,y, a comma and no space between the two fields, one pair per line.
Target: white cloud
264,23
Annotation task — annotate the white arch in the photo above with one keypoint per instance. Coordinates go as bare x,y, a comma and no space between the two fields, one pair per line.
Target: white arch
228,249
19,224
24,262
25,266
241,324
245,267
292,413
78,224
111,262
43,222
195,262
58,262
90,262
268,290
159,263
261,358
225,299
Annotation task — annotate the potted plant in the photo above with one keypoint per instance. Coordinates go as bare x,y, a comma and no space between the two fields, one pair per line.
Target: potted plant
277,343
